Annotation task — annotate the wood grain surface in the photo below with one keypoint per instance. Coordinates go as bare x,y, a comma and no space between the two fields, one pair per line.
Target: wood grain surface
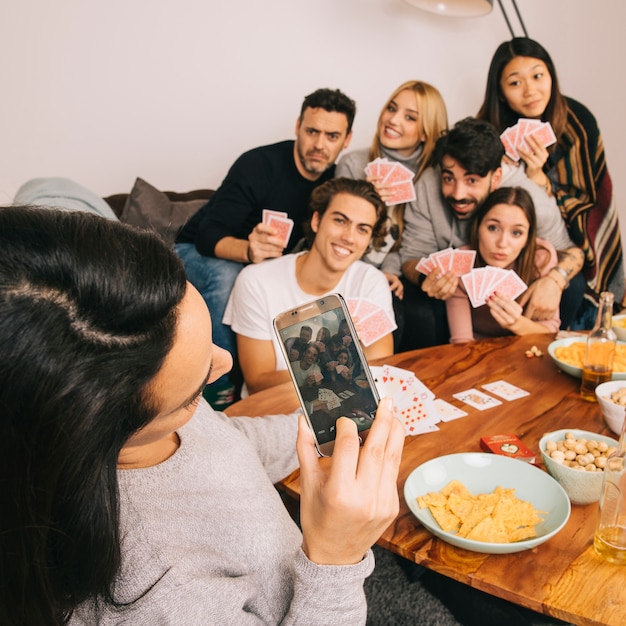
562,577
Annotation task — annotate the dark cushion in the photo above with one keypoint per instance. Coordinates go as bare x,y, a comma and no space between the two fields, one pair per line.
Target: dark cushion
147,207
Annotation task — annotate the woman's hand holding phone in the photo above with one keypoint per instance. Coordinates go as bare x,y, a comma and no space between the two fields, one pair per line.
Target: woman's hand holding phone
347,501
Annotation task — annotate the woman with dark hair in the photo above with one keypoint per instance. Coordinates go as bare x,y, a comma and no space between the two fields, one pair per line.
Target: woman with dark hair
126,498
522,83
503,233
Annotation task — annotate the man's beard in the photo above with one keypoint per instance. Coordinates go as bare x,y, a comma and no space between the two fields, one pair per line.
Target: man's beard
312,167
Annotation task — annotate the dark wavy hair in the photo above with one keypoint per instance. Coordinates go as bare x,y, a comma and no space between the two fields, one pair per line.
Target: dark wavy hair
495,108
518,197
88,312
331,100
322,196
474,144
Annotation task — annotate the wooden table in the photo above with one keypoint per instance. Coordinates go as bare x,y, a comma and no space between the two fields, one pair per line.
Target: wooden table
562,577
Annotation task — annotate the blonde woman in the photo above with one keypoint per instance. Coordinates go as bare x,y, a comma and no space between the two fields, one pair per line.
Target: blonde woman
410,123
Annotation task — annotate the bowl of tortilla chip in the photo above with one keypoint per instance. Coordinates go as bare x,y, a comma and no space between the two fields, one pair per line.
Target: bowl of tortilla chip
487,502
568,354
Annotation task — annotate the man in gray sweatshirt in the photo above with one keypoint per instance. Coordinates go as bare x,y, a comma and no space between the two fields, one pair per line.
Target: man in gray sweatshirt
469,166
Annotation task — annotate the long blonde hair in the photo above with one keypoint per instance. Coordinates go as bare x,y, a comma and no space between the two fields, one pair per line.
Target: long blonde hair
433,113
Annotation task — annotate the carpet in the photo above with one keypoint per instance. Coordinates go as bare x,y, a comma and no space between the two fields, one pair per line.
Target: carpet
400,593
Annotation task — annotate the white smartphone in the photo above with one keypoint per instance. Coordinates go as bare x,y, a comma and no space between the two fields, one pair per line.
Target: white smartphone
328,368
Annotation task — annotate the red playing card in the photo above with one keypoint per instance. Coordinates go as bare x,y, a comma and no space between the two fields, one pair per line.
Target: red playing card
508,141
267,213
462,261
443,258
283,227
397,174
545,134
400,193
384,167
425,265
374,327
511,286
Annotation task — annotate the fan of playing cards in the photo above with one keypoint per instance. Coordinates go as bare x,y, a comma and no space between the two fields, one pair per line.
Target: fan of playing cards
397,178
482,282
459,261
372,322
513,138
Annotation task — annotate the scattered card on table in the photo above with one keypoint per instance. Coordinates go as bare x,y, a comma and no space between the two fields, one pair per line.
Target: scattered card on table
505,390
446,411
477,399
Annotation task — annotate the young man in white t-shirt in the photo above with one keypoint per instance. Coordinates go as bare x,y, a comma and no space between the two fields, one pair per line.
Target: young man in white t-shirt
345,215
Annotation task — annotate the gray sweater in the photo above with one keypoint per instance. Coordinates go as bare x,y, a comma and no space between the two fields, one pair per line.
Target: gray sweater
207,539
430,224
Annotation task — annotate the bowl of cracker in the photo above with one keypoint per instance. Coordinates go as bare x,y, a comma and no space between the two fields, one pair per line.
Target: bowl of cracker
619,326
576,459
568,354
486,502
611,397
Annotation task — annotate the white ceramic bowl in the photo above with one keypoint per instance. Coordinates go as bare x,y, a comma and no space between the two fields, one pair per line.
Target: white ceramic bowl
577,372
613,413
620,330
482,473
581,487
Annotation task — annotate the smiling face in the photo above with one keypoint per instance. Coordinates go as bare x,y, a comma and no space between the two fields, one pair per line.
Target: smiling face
344,232
320,136
400,125
502,235
310,357
526,85
464,191
192,362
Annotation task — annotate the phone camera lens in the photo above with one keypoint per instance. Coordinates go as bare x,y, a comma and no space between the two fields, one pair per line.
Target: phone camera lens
322,302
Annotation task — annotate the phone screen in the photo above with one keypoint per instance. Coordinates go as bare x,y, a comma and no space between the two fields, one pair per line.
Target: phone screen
328,367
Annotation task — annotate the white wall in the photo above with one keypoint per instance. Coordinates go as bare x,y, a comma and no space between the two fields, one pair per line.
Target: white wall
174,90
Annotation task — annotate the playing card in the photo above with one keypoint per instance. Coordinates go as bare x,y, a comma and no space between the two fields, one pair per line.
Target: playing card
365,307
425,265
545,134
505,390
443,258
374,326
446,411
477,399
400,193
283,227
397,174
267,213
328,396
510,286
508,141
462,261
353,305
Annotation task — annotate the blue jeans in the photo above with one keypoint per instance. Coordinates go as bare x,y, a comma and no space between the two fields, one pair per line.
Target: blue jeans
214,279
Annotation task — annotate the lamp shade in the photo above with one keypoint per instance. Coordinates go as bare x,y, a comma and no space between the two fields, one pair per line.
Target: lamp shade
454,8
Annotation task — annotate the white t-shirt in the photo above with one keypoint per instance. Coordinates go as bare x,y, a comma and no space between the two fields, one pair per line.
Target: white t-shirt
263,290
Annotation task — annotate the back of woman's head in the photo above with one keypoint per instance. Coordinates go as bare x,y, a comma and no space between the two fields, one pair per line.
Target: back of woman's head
495,108
87,316
434,117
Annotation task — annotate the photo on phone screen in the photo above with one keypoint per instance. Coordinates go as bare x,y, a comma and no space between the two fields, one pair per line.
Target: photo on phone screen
328,367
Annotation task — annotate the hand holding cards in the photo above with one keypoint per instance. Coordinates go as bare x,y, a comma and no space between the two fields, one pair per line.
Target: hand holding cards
514,137
451,259
281,222
394,177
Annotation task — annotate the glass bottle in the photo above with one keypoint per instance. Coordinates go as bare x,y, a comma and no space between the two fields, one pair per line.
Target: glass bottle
609,541
601,343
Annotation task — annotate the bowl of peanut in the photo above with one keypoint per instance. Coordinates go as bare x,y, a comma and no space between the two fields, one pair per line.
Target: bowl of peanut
576,460
612,400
